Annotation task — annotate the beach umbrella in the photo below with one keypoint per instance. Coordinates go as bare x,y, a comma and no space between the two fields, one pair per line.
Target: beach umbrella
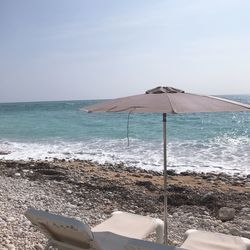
167,100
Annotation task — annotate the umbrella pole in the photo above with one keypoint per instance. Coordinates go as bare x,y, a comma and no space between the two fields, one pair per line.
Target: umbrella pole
165,176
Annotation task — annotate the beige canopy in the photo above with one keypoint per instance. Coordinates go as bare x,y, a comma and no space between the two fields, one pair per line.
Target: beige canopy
168,100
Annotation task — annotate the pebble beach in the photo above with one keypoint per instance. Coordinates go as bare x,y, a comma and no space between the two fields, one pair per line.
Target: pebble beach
90,192
100,100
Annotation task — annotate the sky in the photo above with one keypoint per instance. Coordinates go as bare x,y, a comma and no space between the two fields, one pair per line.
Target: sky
97,49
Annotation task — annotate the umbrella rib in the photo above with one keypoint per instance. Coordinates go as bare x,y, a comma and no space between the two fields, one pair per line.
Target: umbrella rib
244,105
170,101
230,101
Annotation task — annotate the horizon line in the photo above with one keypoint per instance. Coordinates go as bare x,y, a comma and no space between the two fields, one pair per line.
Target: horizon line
73,100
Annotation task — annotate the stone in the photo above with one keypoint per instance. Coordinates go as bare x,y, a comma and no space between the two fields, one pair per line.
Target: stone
96,194
148,176
245,210
234,231
226,213
4,153
10,219
245,234
68,191
10,247
38,247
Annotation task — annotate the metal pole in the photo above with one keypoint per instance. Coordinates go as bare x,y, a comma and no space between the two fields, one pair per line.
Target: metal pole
165,177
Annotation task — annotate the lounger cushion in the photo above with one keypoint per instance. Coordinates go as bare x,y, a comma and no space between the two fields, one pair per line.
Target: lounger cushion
127,224
201,240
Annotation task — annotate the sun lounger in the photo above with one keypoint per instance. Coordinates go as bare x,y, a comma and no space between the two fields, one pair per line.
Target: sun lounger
201,240
132,225
67,233
63,233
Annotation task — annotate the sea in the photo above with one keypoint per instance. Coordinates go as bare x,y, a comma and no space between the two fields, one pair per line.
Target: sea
201,142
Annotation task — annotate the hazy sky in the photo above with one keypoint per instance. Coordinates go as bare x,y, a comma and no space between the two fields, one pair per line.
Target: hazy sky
90,49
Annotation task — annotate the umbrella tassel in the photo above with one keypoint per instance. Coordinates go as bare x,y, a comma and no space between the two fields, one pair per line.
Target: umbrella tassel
128,127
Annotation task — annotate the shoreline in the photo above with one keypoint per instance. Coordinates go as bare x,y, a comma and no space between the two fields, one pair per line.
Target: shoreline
91,192
128,165
219,154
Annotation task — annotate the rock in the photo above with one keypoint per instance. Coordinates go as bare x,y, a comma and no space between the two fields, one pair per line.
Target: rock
245,210
245,234
4,152
147,184
209,200
38,247
10,247
148,176
135,175
226,213
68,191
84,191
234,231
10,219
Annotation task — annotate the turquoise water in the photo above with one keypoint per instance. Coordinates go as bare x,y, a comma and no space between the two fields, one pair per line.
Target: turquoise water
200,142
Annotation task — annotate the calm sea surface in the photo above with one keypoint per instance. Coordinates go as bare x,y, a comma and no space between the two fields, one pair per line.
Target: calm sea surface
200,142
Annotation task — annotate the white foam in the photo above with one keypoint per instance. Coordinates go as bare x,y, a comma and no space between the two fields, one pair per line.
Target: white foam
225,154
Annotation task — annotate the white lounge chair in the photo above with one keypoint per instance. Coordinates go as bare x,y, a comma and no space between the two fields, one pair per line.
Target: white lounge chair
67,233
132,225
201,240
63,233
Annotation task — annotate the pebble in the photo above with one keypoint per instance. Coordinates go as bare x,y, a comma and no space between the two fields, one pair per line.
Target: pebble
39,247
69,191
226,213
10,247
89,198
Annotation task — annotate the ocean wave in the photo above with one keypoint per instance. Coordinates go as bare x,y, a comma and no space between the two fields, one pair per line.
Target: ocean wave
225,153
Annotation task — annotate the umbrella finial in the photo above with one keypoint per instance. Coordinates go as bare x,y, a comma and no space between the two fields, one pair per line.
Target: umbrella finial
162,90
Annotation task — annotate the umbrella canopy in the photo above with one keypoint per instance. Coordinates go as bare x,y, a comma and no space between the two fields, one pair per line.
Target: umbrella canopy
168,100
